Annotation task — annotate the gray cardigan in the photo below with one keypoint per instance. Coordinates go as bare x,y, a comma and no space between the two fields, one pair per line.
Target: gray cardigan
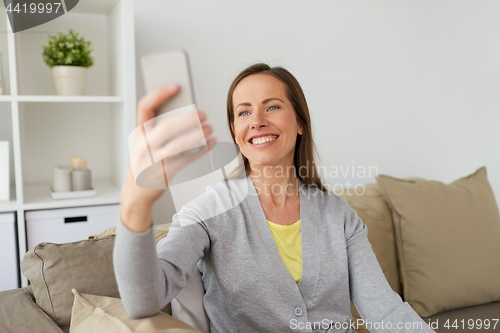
247,286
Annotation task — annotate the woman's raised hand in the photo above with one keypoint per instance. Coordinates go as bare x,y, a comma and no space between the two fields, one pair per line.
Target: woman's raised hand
166,140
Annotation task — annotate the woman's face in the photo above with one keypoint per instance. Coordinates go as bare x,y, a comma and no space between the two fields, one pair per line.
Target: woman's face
265,126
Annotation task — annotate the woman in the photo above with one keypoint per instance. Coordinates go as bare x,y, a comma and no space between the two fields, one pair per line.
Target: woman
298,270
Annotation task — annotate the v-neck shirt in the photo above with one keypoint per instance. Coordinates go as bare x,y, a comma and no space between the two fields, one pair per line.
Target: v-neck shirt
289,244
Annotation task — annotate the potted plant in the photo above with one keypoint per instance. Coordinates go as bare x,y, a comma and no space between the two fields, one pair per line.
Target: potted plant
69,57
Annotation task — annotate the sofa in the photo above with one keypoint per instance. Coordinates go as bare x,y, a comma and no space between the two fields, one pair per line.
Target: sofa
55,269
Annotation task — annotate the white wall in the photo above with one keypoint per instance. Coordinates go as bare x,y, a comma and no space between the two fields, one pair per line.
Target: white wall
410,87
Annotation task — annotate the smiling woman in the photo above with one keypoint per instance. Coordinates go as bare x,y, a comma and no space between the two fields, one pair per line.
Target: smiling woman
286,254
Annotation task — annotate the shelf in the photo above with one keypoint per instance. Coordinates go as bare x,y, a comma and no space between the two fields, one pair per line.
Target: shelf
44,129
38,197
55,98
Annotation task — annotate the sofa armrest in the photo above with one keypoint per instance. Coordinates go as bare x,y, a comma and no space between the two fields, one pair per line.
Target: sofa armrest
20,314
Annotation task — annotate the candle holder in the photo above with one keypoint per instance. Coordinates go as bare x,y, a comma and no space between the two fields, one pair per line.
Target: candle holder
72,181
81,179
62,179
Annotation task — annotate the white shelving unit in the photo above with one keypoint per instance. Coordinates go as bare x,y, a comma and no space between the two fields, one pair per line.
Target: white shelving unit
44,129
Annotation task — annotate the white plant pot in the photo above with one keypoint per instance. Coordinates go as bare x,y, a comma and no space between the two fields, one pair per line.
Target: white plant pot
69,80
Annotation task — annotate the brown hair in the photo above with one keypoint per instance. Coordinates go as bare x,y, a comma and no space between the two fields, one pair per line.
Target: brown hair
305,150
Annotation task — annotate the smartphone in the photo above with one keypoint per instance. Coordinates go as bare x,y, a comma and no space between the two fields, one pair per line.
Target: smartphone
159,69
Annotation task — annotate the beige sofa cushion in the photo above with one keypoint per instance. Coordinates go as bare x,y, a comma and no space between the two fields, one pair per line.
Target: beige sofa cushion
20,314
54,269
99,314
447,239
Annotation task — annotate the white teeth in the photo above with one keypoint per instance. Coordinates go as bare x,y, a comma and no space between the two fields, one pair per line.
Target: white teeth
259,141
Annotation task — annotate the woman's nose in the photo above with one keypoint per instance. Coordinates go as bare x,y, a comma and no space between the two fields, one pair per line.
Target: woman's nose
258,120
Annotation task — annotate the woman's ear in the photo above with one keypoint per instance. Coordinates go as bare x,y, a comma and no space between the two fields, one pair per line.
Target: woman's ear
299,130
232,128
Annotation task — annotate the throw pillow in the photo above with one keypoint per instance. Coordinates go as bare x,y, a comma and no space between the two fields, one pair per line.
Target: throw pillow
96,314
447,241
54,269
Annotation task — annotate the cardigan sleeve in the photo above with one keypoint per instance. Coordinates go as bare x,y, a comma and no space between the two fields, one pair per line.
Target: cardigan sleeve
370,292
149,277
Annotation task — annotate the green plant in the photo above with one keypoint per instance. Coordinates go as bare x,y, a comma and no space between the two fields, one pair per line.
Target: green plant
66,49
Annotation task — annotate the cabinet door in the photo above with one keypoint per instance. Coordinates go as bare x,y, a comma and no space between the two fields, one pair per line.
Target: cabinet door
8,249
69,224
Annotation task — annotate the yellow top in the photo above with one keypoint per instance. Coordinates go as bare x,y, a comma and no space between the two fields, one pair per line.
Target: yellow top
289,243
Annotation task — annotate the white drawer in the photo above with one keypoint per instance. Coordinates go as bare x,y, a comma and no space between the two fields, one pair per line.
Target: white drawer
68,224
8,249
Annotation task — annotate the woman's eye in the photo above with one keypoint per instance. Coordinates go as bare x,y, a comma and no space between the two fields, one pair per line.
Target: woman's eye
241,113
275,108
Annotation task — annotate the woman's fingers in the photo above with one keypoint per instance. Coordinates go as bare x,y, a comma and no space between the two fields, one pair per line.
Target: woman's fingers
174,164
147,106
202,116
171,126
167,135
183,142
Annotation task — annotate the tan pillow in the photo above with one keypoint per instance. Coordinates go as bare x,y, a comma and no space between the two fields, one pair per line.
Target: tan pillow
447,239
54,269
97,314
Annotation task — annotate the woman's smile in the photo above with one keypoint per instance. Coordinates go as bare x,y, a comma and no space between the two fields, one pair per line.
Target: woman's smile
263,141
